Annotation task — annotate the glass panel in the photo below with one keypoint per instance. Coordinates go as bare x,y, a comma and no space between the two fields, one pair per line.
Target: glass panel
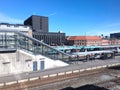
18,40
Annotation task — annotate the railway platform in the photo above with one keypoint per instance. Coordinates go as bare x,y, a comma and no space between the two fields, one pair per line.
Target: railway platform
73,68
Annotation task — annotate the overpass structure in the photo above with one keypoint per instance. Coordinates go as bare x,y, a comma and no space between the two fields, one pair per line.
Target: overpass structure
20,53
23,53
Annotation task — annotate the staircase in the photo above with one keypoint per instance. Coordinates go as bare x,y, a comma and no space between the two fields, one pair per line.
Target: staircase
14,40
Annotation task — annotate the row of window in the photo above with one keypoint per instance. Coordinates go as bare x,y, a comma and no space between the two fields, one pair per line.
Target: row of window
17,26
82,41
49,34
50,39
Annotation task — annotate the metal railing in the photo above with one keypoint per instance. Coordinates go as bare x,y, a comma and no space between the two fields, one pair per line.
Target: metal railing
11,39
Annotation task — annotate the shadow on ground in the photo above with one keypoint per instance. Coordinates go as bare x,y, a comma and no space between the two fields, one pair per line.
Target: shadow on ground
115,68
86,87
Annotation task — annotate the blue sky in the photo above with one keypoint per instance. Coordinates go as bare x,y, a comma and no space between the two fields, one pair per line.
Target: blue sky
74,17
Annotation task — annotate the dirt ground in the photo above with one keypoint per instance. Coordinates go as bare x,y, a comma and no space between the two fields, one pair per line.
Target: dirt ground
86,82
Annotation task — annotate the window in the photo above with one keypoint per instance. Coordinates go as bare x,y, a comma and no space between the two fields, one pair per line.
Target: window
16,26
25,26
8,25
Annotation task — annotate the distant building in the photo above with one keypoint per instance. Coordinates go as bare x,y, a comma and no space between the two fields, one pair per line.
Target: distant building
84,40
115,35
115,38
105,42
50,38
38,23
41,32
18,27
114,41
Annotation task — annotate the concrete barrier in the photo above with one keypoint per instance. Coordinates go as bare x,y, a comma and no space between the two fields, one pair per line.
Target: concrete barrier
93,68
81,70
1,84
109,65
52,75
35,78
69,72
46,76
9,83
89,69
98,67
76,71
117,64
63,73
113,64
104,66
23,80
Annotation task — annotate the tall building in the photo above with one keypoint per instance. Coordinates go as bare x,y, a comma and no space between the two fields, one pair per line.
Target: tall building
41,32
38,23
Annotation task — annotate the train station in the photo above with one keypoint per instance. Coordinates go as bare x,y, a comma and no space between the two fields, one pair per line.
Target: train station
27,55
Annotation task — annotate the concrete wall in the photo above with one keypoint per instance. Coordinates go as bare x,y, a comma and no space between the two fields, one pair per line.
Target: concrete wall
20,61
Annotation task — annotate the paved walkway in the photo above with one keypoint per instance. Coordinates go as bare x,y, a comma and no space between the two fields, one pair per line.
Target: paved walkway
80,65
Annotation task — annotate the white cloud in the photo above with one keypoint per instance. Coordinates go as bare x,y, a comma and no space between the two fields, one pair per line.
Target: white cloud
6,19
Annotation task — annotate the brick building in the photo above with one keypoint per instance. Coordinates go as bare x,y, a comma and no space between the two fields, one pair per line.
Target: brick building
105,42
114,41
84,40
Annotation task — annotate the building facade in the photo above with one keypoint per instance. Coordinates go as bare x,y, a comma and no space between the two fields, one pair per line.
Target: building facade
50,38
83,40
115,35
105,42
18,27
115,42
41,32
38,23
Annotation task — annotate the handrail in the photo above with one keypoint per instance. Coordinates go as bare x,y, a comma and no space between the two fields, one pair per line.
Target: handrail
34,40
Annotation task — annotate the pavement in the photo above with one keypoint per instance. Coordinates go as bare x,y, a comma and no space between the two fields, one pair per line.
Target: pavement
72,67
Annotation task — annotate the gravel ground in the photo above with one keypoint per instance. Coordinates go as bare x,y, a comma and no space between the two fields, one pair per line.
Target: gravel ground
79,83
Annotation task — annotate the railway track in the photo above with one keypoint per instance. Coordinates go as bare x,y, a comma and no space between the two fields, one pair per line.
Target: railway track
44,81
109,83
54,79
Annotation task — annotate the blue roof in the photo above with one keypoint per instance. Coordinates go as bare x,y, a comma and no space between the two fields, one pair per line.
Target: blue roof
74,47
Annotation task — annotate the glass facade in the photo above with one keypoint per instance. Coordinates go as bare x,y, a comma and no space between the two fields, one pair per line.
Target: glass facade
17,40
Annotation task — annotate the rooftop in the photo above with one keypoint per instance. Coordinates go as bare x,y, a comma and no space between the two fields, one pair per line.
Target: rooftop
83,38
